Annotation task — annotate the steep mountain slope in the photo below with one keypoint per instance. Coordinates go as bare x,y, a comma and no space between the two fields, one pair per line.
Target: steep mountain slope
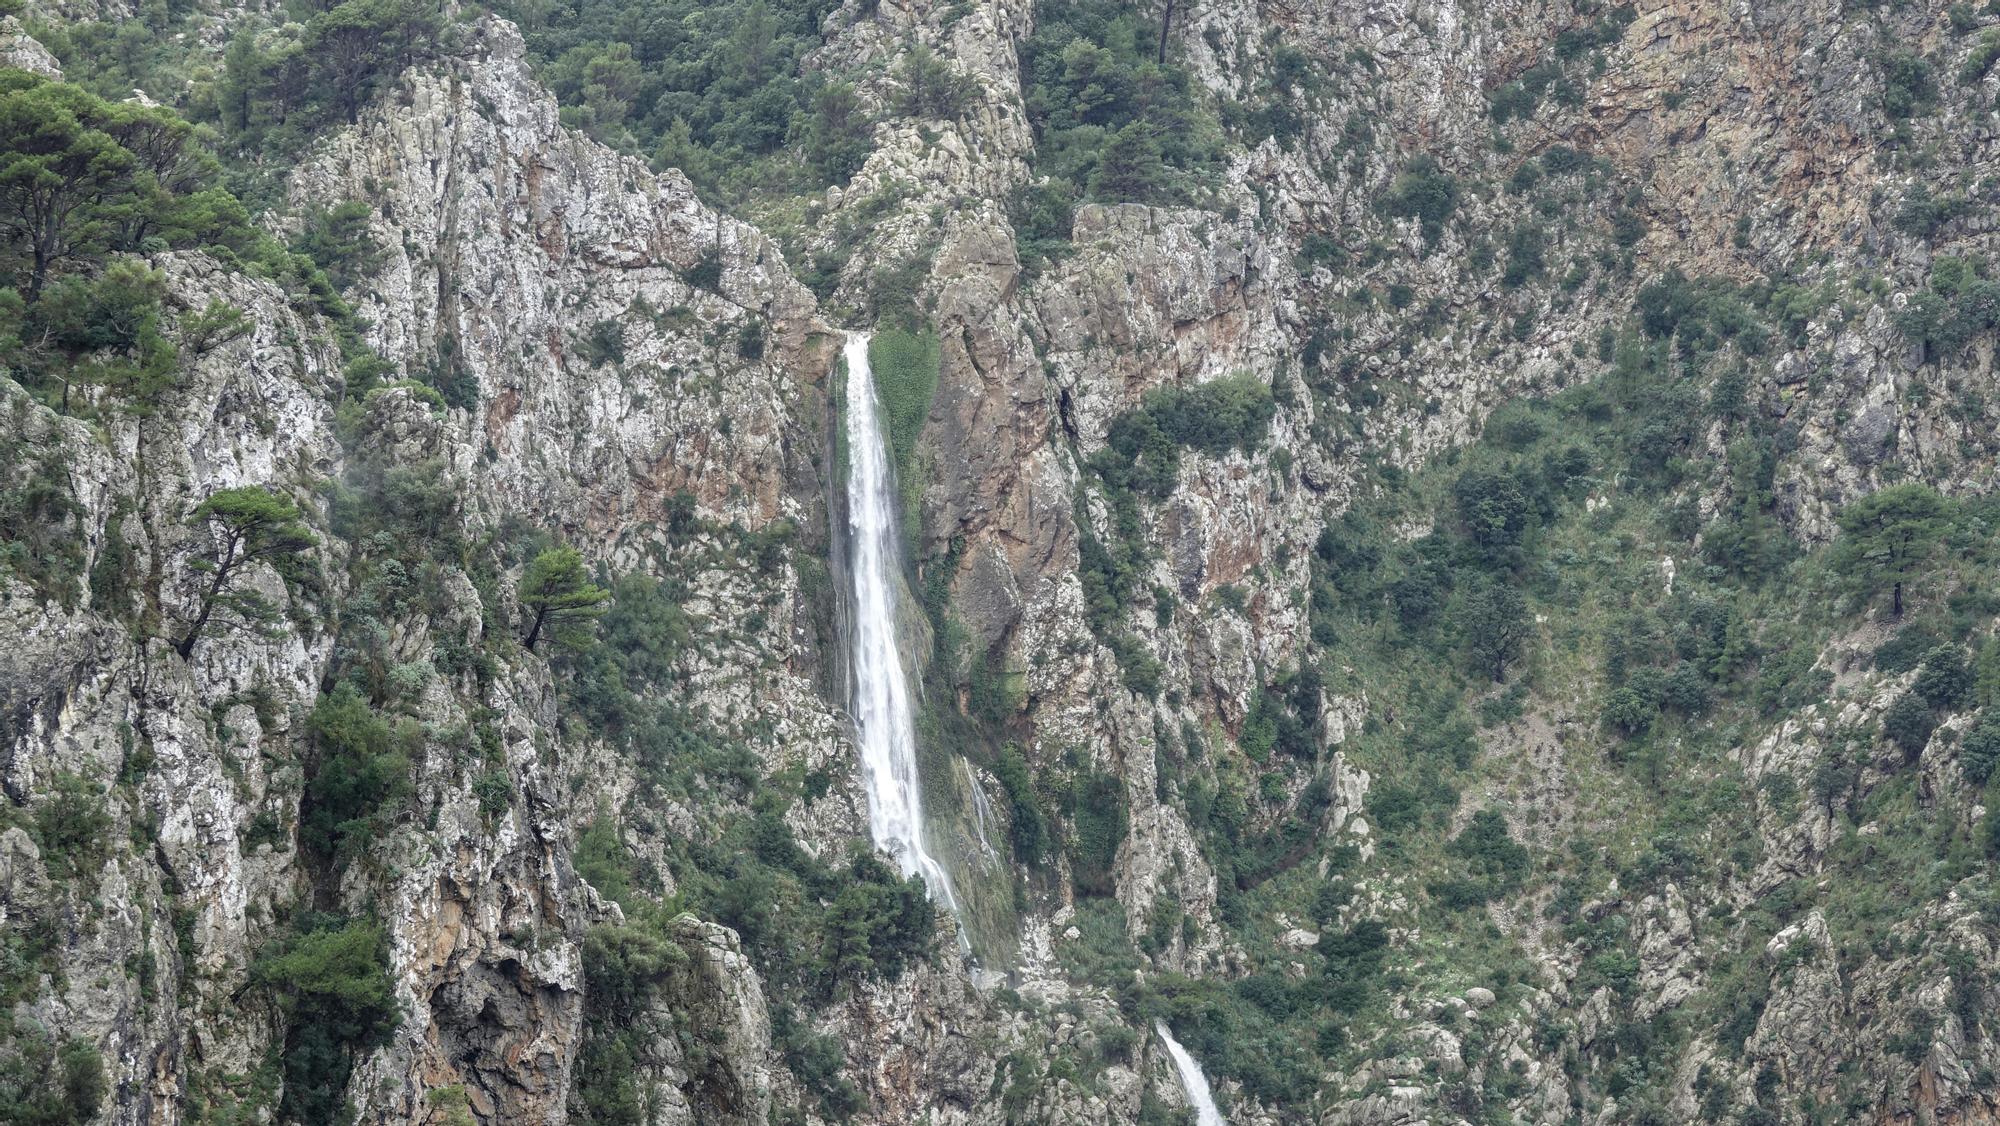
1449,561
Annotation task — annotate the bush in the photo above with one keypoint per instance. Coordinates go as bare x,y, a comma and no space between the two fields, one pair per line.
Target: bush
1980,750
1424,193
360,774
1944,679
1629,712
1106,110
1908,87
332,983
45,1081
1908,724
72,829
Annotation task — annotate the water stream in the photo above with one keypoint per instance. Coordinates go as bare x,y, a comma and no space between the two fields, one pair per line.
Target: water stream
1192,1080
884,716
982,814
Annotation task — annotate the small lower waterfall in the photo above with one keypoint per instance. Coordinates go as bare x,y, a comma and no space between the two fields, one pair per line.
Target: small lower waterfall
1192,1080
982,814
884,717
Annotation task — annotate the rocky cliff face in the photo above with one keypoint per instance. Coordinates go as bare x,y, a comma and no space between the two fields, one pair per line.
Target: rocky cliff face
644,376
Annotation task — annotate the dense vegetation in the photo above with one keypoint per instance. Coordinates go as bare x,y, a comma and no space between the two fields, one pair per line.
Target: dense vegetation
713,89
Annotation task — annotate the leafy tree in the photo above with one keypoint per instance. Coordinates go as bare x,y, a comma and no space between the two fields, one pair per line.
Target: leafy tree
931,88
1131,167
361,768
48,1082
338,241
1944,680
1980,750
331,981
1888,536
1494,624
244,526
559,599
1492,507
1629,711
1908,724
76,171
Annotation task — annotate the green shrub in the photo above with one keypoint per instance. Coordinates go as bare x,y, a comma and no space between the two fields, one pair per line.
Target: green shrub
1980,750
1107,110
1908,724
46,1081
1028,825
1908,87
332,983
1944,680
359,776
1423,192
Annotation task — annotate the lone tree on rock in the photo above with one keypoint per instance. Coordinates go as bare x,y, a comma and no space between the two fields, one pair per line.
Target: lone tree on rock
1887,536
245,526
559,599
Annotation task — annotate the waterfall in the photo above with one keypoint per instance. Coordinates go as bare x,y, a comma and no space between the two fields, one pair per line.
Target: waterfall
982,812
1192,1080
884,719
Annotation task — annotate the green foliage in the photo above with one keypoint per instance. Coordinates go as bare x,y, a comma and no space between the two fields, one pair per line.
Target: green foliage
1492,509
1491,862
1527,255
331,980
359,776
1944,680
339,242
1141,459
244,527
1109,111
73,829
717,90
604,343
1143,446
904,364
930,87
1028,824
1979,752
817,1059
41,536
643,631
1908,724
1425,193
625,967
1095,805
1922,213
1980,62
47,1080
1889,535
559,600
284,84
1908,86
1960,304
1494,626
82,178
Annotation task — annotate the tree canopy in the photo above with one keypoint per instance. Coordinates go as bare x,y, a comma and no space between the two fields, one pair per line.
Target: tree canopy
245,526
1888,535
559,600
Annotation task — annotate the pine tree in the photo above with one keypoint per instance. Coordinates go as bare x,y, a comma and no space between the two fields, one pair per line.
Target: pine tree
560,600
245,526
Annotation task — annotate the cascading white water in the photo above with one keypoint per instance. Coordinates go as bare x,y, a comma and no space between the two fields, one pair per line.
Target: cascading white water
883,715
1192,1080
982,813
